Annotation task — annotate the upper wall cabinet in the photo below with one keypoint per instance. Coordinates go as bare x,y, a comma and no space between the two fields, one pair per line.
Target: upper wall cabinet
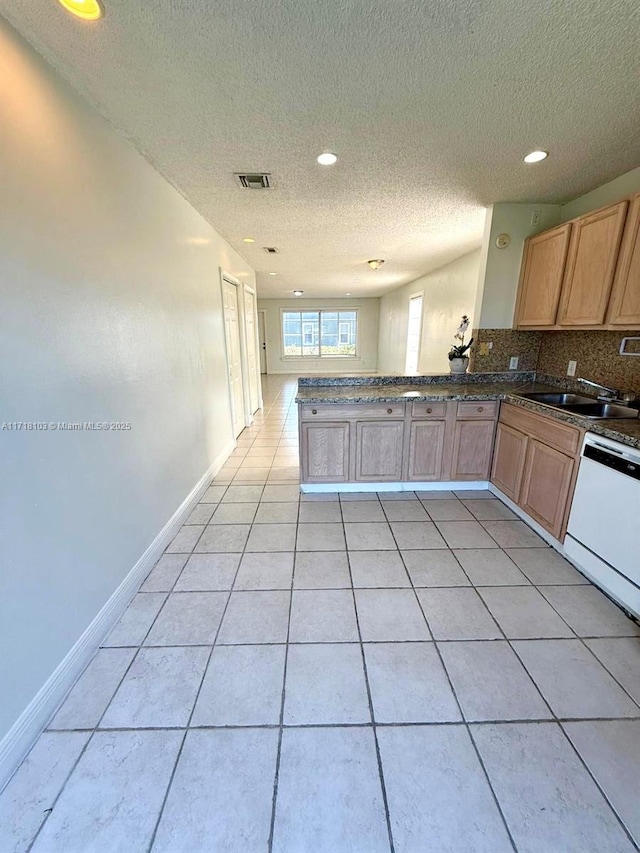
584,274
624,308
543,264
591,265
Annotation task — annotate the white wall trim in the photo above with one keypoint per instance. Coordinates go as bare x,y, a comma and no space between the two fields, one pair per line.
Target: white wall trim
533,524
440,486
24,732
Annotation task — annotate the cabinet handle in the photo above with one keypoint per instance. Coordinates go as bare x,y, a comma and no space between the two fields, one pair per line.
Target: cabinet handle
429,411
389,411
314,411
481,408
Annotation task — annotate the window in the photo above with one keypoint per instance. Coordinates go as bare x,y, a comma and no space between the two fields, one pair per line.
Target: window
319,334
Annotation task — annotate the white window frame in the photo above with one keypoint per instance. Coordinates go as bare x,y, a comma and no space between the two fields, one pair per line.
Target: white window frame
318,344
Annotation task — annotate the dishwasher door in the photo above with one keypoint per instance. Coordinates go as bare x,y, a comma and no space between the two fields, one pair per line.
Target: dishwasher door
605,512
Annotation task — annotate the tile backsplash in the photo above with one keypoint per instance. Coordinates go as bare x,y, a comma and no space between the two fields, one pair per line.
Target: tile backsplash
596,354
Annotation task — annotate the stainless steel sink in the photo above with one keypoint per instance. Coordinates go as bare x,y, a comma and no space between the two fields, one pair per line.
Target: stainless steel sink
585,406
601,410
559,399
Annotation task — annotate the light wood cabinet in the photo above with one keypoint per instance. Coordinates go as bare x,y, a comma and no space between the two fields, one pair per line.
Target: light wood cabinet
548,476
591,264
379,451
426,450
584,274
396,442
534,463
472,448
324,451
624,309
508,460
541,276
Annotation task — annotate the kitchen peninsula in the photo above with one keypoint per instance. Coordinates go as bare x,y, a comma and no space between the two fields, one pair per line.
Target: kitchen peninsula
374,433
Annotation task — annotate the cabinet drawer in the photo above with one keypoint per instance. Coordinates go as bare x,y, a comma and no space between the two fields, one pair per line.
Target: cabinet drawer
428,410
484,409
549,431
350,411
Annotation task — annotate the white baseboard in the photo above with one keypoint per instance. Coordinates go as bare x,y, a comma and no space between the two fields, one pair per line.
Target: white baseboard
533,524
24,732
440,486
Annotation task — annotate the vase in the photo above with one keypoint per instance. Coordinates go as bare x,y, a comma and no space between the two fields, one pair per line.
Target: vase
459,365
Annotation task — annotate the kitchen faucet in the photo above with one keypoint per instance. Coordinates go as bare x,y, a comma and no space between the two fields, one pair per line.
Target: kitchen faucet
612,395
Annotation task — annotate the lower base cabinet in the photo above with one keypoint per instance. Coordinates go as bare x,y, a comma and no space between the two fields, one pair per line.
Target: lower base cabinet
508,460
396,442
324,451
548,475
426,450
379,451
472,446
534,463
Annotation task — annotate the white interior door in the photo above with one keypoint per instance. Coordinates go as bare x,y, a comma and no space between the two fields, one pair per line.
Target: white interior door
234,358
262,341
251,337
414,333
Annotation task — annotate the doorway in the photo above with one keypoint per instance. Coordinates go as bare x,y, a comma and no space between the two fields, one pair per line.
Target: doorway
262,340
234,354
414,334
251,346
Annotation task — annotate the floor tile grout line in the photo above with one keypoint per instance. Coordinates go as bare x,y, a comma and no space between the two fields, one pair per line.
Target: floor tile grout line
276,778
460,709
496,721
558,722
593,776
193,707
383,787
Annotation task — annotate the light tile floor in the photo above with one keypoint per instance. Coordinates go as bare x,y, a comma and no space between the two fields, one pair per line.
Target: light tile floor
396,672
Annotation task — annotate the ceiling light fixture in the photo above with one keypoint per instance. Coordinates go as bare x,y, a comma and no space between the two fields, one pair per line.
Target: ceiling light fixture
87,10
536,156
376,263
273,273
248,240
327,159
298,292
347,294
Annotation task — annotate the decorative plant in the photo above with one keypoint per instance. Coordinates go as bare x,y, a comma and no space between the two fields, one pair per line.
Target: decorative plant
460,350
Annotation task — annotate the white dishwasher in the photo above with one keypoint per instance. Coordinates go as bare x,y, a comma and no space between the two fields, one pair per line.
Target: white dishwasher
603,534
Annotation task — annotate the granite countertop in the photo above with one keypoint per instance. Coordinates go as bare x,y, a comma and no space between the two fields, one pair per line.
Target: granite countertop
509,387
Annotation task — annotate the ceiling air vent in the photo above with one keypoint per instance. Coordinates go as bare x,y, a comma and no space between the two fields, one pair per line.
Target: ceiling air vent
254,180
270,250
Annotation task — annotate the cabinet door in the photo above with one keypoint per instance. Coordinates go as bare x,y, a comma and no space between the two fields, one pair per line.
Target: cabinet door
591,264
426,448
379,450
624,309
508,460
547,481
324,453
541,276
472,445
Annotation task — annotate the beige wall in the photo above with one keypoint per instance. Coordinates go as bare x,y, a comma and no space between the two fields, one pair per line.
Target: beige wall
448,293
367,349
111,311
602,196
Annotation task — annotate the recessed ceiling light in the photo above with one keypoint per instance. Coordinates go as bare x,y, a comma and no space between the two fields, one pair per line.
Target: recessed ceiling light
327,159
376,263
88,10
347,294
536,156
298,292
273,273
248,240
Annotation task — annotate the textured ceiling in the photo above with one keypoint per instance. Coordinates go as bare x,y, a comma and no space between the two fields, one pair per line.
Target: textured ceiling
429,104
